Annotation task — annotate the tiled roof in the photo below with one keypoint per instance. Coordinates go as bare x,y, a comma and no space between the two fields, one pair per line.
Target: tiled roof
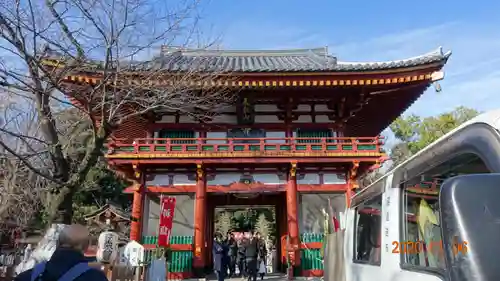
114,208
301,60
258,61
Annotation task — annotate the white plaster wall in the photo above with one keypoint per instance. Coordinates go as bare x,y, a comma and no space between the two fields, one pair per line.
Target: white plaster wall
216,135
304,107
184,179
322,119
223,135
321,107
311,206
213,179
308,178
228,178
265,108
268,178
178,179
281,135
334,178
158,179
223,179
304,119
186,119
224,118
167,119
183,215
268,119
231,108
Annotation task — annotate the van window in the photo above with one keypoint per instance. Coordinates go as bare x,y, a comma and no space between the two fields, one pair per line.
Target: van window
367,231
421,226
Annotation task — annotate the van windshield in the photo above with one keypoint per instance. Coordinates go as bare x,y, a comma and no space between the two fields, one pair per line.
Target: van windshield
421,206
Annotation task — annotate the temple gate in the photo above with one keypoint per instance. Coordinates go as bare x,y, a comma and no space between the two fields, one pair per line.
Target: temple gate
303,129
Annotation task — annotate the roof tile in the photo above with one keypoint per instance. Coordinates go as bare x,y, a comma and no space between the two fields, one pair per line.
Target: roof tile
257,61
303,60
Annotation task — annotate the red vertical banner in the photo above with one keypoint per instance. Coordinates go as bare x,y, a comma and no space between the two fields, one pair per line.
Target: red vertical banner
167,209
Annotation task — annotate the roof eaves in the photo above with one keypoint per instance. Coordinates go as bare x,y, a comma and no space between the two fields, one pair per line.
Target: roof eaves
433,56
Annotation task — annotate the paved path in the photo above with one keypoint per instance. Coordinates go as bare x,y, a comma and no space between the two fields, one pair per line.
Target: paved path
270,277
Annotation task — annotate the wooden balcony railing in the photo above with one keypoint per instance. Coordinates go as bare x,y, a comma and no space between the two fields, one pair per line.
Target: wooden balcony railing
245,147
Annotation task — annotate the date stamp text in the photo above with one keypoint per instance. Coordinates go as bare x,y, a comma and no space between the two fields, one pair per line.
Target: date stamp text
433,247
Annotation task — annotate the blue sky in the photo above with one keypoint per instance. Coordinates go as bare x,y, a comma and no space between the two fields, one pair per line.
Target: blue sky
378,30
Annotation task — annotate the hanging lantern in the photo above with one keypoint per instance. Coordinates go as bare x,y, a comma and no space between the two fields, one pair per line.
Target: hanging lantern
107,248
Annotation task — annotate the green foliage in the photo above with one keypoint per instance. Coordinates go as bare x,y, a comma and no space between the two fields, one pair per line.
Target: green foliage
101,186
416,132
224,223
246,219
263,226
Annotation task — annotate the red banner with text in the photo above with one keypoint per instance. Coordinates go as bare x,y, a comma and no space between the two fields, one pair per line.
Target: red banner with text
166,220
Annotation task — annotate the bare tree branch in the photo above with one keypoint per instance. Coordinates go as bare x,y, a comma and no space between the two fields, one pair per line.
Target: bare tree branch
43,43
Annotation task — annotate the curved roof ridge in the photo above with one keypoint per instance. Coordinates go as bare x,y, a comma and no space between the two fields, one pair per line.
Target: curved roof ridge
321,51
438,52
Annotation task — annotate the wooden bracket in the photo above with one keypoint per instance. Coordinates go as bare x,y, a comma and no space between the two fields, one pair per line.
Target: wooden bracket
354,170
199,171
293,169
137,171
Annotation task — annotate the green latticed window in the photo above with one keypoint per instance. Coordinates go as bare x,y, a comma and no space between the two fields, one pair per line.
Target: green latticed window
311,259
180,260
178,134
307,133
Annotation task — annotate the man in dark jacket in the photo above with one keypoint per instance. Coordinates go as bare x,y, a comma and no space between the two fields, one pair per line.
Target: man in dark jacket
262,250
251,254
219,253
233,251
67,261
241,257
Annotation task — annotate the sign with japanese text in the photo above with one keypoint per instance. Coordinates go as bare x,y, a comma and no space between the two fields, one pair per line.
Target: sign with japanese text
166,220
107,250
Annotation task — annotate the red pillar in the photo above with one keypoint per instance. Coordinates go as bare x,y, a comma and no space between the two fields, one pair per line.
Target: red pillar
136,222
351,182
348,195
200,219
292,216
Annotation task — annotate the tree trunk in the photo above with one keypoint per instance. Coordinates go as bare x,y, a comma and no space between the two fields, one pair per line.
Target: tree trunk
64,213
59,206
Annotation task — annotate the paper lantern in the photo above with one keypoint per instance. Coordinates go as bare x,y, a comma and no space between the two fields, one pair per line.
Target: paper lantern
134,253
107,247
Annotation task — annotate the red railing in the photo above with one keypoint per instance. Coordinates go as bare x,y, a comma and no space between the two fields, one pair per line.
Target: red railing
254,146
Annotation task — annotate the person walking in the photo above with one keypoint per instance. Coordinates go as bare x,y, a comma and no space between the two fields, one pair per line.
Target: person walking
241,257
233,251
251,255
67,262
219,253
262,256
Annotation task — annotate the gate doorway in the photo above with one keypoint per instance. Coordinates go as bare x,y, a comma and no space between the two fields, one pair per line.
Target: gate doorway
242,213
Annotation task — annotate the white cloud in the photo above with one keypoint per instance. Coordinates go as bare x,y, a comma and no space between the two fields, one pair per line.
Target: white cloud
472,77
472,73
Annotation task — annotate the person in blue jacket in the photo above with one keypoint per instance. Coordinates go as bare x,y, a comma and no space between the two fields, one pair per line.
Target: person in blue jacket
219,253
68,262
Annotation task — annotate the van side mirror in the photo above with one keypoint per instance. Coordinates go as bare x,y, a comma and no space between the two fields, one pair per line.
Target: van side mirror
470,226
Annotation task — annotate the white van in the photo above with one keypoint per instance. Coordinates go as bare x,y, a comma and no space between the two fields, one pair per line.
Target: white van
426,220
